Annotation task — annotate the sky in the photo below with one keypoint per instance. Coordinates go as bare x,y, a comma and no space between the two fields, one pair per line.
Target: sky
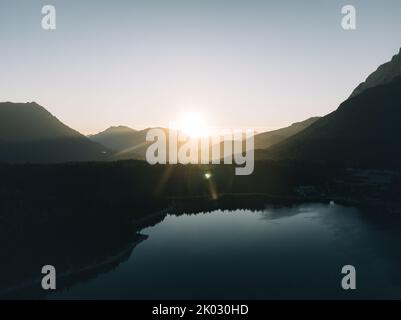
240,63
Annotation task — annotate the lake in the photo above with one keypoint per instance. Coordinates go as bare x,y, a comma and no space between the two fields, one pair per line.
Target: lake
276,253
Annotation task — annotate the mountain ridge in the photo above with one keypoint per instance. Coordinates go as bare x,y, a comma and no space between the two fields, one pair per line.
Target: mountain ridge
266,139
30,133
385,73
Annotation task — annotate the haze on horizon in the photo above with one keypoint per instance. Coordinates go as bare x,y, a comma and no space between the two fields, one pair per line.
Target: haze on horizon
243,63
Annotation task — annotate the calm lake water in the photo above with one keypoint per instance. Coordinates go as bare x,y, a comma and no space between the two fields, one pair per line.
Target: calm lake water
295,252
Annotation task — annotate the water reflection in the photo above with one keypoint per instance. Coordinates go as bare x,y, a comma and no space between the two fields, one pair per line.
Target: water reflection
264,253
292,252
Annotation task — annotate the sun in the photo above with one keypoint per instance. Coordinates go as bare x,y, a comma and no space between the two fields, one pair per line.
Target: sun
193,124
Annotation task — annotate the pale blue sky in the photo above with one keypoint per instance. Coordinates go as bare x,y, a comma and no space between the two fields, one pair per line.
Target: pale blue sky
245,63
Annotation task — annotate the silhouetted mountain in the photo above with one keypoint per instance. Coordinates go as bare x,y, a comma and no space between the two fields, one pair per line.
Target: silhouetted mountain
117,138
127,142
131,144
384,74
364,130
269,138
29,133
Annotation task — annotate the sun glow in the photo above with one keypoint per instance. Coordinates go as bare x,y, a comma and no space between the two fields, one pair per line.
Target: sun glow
194,125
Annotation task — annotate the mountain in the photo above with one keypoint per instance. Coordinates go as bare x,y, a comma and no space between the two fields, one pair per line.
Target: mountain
267,139
119,138
29,133
384,74
131,144
364,130
127,142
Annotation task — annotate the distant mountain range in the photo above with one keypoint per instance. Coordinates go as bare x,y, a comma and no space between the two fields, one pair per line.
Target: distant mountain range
118,138
126,142
29,133
364,130
267,139
131,144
